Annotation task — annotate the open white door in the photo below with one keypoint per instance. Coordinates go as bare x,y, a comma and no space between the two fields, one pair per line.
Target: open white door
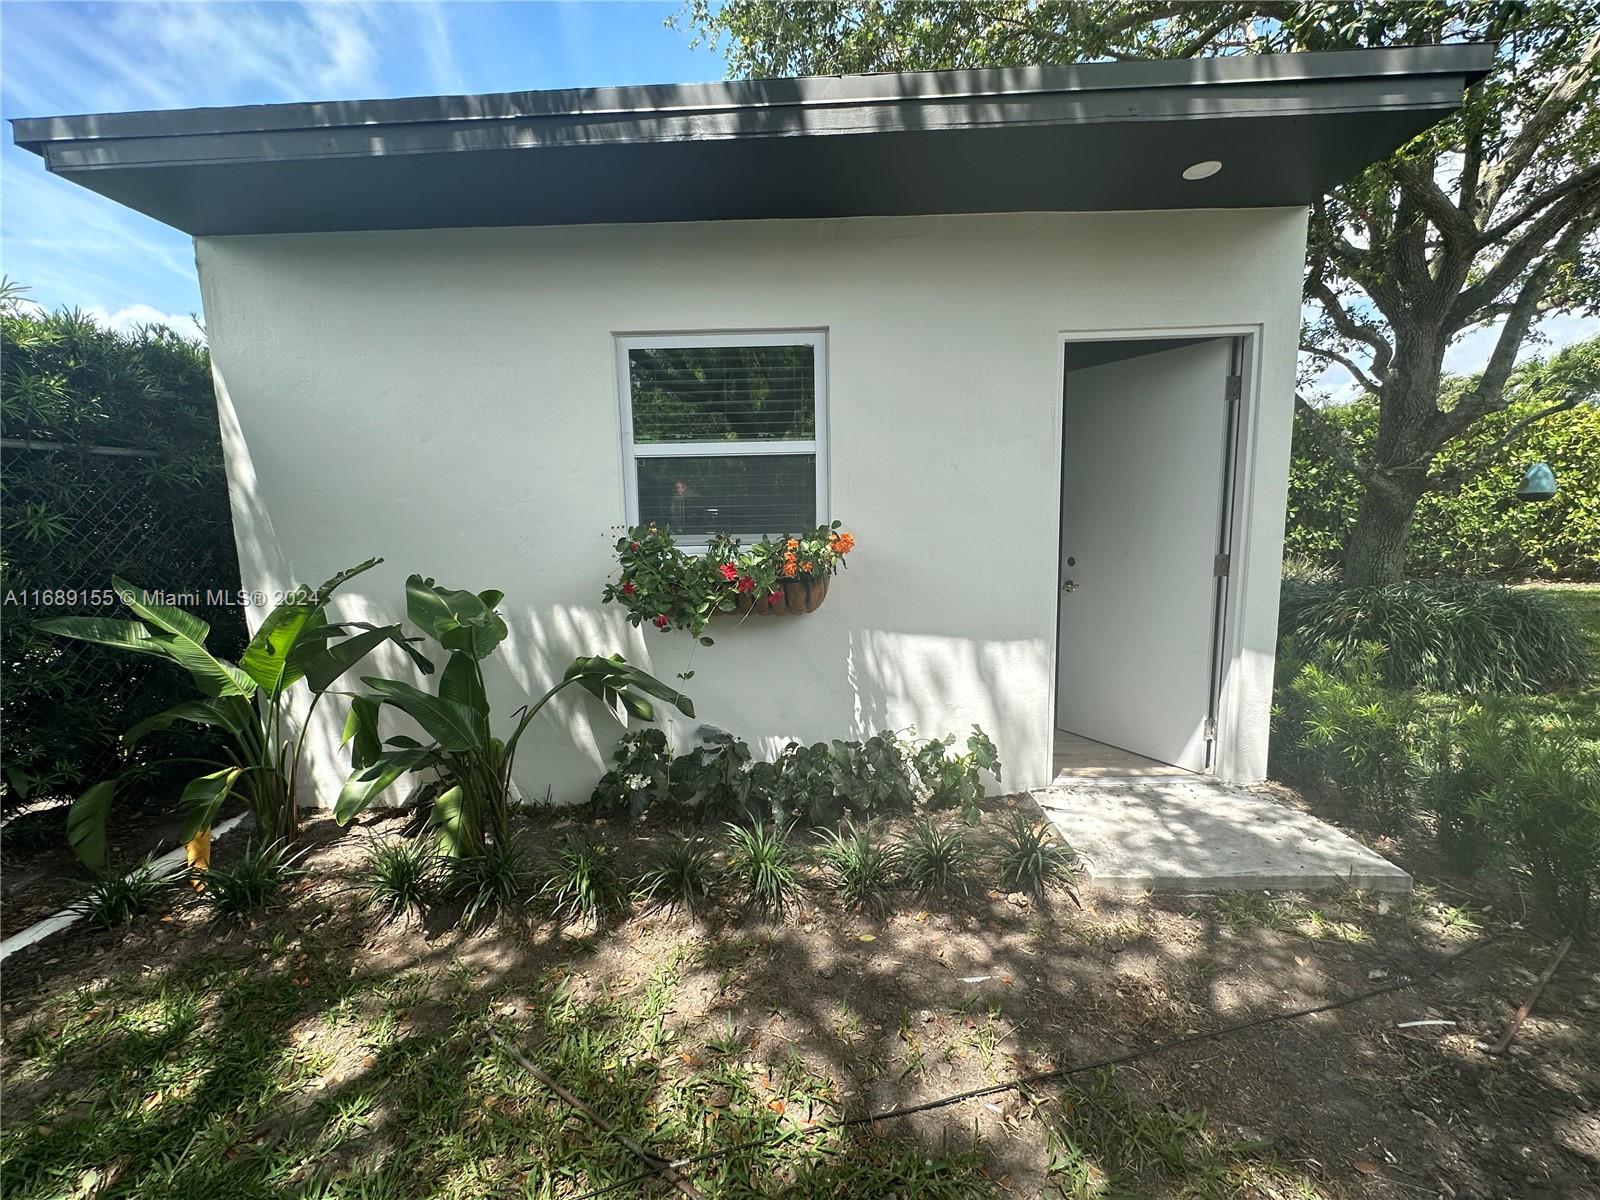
1143,475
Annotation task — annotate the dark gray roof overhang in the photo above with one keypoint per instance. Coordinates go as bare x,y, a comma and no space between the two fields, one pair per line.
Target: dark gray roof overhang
1100,136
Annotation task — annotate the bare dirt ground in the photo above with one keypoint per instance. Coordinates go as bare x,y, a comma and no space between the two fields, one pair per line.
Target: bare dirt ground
931,999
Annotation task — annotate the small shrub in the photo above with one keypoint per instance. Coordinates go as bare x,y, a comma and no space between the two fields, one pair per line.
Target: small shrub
1028,855
714,779
955,780
1452,753
494,882
400,877
761,864
581,882
252,883
1541,809
680,874
1354,733
937,860
115,900
641,777
861,866
1446,635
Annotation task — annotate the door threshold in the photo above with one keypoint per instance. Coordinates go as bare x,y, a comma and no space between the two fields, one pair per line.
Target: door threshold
1076,757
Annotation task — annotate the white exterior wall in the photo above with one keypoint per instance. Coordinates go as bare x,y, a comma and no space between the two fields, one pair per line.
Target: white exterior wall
448,400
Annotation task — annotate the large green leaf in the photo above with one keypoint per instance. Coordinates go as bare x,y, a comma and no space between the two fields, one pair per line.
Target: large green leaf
456,620
184,637
163,616
203,797
86,824
361,730
462,683
269,658
457,822
324,664
367,784
107,631
343,577
232,713
616,682
456,727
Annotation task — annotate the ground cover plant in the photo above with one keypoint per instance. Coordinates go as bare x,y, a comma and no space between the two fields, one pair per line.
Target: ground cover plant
320,1050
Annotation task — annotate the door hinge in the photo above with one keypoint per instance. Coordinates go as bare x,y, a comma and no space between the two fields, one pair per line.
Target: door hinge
1235,388
1221,564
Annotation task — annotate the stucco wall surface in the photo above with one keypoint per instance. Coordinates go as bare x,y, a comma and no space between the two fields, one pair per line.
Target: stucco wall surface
448,400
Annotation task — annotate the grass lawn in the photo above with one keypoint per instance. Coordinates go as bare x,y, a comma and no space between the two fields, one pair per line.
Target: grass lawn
317,1052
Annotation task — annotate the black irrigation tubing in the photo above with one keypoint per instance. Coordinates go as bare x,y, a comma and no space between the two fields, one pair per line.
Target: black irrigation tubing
1022,1081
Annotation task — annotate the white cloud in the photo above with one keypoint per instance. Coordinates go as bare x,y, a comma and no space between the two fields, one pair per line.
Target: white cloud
134,315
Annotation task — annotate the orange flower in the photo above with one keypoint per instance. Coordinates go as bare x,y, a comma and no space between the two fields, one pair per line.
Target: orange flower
789,569
842,543
794,544
808,567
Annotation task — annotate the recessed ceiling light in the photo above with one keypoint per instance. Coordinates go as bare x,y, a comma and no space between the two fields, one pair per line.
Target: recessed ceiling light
1202,170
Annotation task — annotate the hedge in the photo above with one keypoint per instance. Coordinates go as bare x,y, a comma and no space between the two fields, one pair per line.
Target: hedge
1483,530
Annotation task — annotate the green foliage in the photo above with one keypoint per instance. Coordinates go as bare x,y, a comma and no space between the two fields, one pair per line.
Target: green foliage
68,520
681,874
581,882
248,703
1345,729
1029,857
812,785
400,877
251,883
468,766
1480,529
861,865
761,866
1448,635
937,860
495,882
113,901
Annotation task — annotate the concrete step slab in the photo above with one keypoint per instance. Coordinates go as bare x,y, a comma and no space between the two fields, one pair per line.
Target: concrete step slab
1165,833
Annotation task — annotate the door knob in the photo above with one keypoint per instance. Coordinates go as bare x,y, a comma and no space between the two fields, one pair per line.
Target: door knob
1069,586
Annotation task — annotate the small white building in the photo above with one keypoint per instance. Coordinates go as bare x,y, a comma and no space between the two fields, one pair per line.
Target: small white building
1041,330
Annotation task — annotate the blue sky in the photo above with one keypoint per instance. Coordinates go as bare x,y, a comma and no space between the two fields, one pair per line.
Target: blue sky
74,248
77,249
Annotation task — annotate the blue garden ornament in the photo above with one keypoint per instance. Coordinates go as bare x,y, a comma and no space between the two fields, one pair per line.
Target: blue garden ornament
1538,483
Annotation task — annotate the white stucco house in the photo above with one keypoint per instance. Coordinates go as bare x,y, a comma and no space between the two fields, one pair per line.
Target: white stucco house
1041,326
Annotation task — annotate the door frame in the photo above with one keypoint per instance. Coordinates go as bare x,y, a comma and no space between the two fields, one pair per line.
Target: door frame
1236,524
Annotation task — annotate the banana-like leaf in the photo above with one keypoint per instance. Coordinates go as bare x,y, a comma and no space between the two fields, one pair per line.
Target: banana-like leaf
616,683
107,631
366,785
163,616
232,713
203,797
456,620
462,683
322,665
86,824
456,727
361,729
457,823
269,658
197,853
184,636
343,577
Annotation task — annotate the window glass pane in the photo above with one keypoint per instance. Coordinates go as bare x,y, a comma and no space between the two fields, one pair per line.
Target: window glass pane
739,494
723,393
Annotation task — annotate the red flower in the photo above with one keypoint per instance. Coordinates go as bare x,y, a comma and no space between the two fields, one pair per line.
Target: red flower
730,572
628,588
774,595
746,584
661,621
634,546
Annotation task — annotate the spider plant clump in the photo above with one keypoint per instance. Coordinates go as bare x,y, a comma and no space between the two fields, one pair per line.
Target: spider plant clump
937,860
860,865
581,882
1028,856
680,875
400,877
495,882
252,883
113,901
761,865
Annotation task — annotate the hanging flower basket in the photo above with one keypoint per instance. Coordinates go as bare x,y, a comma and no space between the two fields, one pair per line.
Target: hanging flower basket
669,589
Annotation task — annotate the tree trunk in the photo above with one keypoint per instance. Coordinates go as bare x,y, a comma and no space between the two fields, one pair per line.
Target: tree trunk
1377,551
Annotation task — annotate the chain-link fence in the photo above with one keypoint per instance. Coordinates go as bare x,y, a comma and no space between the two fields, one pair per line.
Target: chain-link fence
110,465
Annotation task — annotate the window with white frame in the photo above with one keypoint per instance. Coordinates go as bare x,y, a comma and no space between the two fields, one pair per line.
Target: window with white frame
725,433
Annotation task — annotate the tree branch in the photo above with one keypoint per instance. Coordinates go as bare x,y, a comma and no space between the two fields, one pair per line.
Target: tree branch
1450,480
1582,179
1416,179
1568,211
1352,328
1558,100
1338,447
1349,364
